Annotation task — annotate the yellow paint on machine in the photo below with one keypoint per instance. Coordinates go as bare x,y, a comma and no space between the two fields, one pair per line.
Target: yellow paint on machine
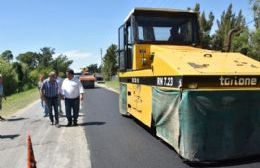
188,60
179,61
139,100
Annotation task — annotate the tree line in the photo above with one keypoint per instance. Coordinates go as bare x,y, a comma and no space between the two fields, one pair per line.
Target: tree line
245,40
22,73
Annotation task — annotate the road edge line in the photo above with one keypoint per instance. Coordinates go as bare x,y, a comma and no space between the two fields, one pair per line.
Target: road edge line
22,110
108,88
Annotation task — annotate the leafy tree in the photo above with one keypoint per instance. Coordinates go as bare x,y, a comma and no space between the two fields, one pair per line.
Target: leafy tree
10,77
255,45
29,58
45,57
24,74
228,21
205,27
109,67
7,55
256,9
34,74
61,63
21,74
240,43
93,68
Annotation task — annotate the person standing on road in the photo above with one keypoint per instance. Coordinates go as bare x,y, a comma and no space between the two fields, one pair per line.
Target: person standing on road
72,92
50,92
44,105
1,95
59,81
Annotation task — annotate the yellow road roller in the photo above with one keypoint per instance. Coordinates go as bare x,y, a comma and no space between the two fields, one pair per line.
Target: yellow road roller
205,104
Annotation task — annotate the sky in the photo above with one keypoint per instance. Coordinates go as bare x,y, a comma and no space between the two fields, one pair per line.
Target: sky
80,28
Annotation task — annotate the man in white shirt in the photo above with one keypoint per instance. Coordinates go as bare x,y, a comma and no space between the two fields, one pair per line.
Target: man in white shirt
72,92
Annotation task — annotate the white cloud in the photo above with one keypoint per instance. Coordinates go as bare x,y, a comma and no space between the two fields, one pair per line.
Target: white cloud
74,54
80,58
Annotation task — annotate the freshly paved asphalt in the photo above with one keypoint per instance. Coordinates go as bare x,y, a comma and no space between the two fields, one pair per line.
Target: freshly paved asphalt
118,142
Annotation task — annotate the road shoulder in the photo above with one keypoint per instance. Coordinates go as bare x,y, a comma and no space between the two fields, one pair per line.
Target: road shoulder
63,147
106,87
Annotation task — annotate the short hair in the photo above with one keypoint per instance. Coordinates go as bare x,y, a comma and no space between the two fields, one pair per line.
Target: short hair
70,71
52,74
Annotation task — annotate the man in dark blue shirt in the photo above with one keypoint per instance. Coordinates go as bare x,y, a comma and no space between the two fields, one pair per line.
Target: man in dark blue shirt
50,93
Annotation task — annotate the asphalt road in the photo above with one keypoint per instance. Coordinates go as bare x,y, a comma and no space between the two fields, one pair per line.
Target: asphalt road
115,141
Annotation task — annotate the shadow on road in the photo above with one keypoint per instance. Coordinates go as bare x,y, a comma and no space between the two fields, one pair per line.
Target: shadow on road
223,163
9,136
16,119
92,123
87,124
227,163
81,115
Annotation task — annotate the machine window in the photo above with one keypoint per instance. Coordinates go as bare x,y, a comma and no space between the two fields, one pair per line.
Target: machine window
173,30
121,38
121,50
162,33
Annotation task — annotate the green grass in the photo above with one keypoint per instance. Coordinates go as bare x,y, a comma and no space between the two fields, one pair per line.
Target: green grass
114,84
18,101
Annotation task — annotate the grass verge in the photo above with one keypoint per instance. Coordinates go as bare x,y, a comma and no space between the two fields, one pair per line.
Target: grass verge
18,101
114,84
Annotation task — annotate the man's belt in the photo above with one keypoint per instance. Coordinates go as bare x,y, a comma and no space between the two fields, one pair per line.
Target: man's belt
72,98
54,97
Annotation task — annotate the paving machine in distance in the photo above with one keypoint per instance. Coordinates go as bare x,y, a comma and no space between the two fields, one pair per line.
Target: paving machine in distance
87,79
203,103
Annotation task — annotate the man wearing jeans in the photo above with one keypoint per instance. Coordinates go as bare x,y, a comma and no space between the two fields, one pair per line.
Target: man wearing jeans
72,91
50,95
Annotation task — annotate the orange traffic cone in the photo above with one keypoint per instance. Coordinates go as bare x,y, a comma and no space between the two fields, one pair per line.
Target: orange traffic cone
31,163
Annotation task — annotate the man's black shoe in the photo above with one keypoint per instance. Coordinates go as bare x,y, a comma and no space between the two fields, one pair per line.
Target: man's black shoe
69,124
75,124
3,119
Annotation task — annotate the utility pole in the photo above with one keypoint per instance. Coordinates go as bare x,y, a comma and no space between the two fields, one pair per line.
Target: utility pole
101,55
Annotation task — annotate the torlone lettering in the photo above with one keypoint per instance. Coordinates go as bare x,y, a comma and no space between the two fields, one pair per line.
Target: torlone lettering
237,81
